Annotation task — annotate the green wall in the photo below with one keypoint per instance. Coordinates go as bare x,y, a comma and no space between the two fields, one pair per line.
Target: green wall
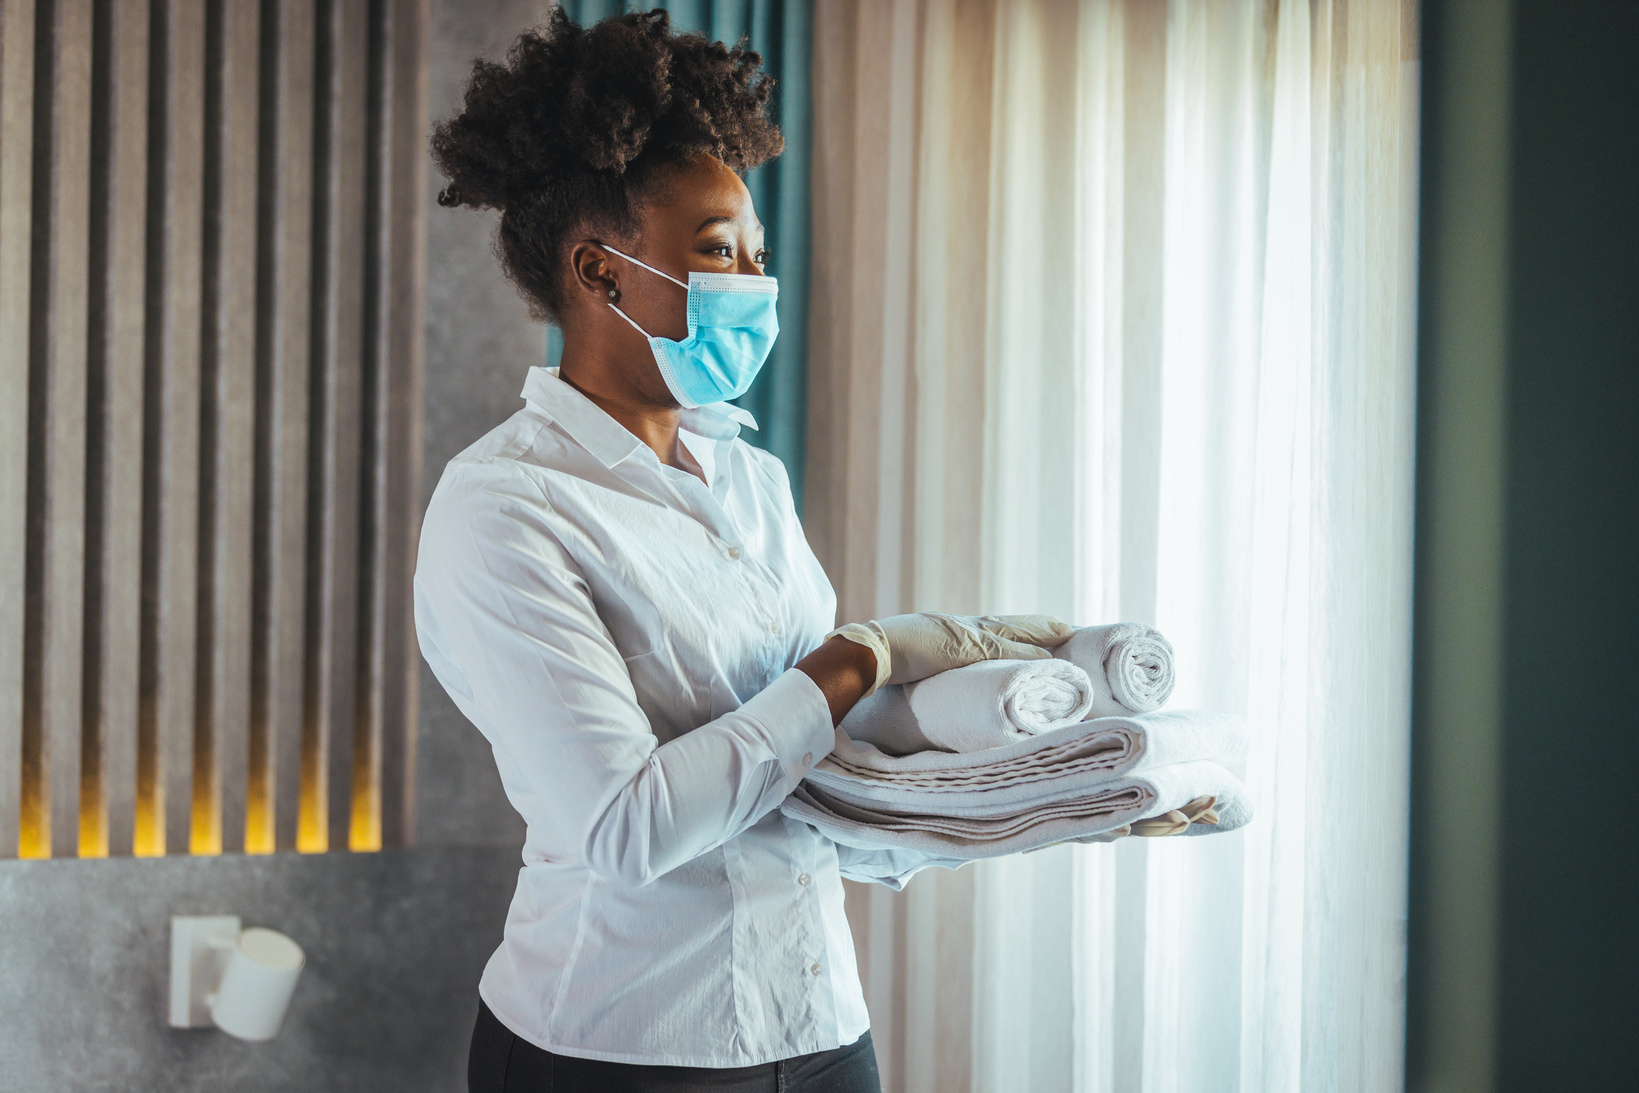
1524,957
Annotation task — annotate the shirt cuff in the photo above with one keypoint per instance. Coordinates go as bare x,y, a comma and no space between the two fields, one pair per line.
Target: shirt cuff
796,722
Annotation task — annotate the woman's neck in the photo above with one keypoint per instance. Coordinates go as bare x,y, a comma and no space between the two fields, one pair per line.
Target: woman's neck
609,386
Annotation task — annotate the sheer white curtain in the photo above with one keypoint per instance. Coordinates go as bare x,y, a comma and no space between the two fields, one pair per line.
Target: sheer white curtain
1112,318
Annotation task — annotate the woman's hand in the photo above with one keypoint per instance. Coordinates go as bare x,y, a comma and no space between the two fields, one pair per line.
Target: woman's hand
904,648
912,647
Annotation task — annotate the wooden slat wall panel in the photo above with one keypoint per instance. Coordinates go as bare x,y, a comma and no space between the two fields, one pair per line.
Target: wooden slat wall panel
400,264
228,372
282,421
53,661
171,457
16,231
338,357
114,412
211,272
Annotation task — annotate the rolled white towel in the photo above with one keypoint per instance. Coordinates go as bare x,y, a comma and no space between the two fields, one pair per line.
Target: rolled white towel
984,705
1131,665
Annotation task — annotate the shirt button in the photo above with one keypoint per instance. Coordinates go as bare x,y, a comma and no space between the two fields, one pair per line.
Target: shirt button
815,968
733,552
804,879
807,758
773,628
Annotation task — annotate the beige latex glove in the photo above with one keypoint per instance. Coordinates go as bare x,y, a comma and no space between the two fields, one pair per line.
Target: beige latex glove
1176,822
912,647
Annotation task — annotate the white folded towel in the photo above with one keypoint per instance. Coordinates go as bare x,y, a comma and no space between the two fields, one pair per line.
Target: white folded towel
1131,664
1093,810
1085,779
1099,749
984,705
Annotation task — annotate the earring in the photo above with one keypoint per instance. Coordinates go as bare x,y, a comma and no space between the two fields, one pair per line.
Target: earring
614,294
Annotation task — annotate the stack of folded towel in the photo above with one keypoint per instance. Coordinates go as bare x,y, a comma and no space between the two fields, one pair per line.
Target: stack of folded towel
1005,756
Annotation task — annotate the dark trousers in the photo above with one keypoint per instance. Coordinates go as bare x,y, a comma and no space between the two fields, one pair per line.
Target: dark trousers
500,1062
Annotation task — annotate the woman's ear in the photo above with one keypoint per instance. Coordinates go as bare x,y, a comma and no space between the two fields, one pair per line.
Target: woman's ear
592,272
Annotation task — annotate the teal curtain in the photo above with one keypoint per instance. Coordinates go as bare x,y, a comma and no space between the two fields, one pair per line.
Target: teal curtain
781,30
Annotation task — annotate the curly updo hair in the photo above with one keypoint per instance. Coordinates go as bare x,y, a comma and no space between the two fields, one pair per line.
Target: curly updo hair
576,131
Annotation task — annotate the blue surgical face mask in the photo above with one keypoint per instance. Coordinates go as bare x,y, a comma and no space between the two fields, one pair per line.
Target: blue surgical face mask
732,326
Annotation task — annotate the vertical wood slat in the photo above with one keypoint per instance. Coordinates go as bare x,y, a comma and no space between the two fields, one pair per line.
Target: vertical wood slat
171,441
284,342
56,551
364,796
364,828
227,436
341,83
16,219
115,409
401,287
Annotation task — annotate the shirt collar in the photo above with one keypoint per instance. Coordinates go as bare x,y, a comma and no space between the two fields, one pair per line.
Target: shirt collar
605,437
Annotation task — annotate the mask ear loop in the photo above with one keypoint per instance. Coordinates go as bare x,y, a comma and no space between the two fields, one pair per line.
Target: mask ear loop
629,319
645,265
651,269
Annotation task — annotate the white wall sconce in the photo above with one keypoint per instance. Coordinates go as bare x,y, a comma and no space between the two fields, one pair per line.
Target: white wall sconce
238,980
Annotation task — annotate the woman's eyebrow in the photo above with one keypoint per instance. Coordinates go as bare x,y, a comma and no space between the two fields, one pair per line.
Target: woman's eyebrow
710,220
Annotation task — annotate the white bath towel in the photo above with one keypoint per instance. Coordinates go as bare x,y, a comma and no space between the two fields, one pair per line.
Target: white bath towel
1003,829
1131,666
1092,751
985,705
1085,779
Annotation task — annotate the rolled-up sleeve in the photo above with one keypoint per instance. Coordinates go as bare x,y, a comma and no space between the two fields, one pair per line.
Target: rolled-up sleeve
508,623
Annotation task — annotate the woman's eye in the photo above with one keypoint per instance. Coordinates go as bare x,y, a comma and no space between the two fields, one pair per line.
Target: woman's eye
762,258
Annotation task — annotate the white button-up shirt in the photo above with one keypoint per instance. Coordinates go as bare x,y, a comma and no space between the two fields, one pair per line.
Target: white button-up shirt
623,635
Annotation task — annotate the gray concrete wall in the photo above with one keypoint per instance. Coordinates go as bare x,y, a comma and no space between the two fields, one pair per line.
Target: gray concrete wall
395,941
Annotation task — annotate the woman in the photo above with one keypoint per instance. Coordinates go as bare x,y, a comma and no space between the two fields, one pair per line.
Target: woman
616,590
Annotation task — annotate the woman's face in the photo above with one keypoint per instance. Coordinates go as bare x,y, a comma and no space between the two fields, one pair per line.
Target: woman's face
701,219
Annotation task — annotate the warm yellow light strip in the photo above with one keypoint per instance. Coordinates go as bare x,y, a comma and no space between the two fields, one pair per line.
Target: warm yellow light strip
34,809
93,809
259,831
148,835
364,825
313,815
33,833
148,840
205,835
93,839
205,811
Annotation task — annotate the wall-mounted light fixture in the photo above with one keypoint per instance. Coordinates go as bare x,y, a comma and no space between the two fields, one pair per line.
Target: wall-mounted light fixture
238,980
